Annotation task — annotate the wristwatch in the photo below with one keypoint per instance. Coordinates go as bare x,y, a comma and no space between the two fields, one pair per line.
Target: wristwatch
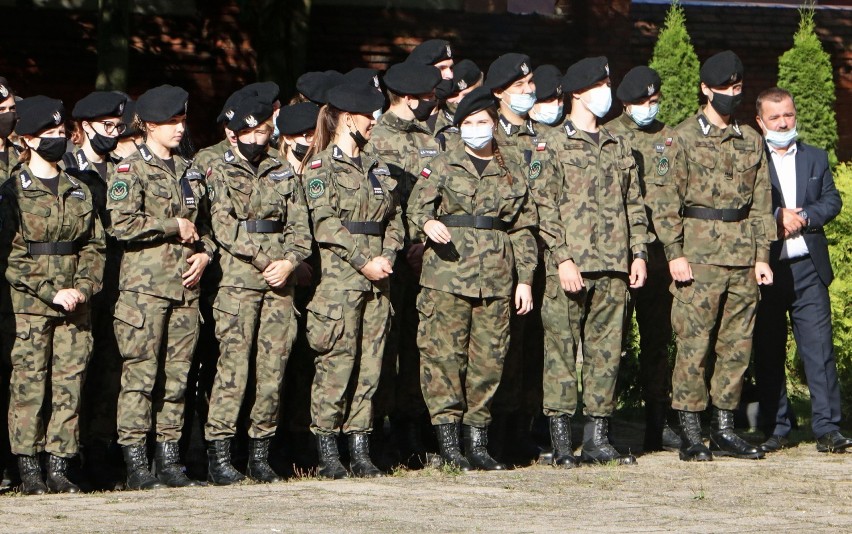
640,256
804,215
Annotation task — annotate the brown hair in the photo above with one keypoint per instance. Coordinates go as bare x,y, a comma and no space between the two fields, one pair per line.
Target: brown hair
773,94
492,112
327,121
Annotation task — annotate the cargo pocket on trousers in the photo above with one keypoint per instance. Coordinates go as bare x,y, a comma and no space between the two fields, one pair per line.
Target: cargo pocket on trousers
425,306
128,313
684,292
325,323
226,310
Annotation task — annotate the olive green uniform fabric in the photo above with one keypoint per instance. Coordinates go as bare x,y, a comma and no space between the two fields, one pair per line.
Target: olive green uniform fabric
468,283
50,348
724,169
592,212
157,319
247,310
348,314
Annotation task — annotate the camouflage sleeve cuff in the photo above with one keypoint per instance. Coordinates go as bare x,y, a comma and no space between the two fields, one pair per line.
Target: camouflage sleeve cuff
562,254
171,227
358,262
525,276
762,255
641,248
261,261
389,255
674,251
46,292
86,290
293,258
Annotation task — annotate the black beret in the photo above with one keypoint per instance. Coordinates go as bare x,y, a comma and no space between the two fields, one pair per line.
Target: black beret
412,78
723,69
548,82
5,90
585,73
249,112
267,91
356,98
638,84
99,104
128,119
506,69
297,118
362,76
38,113
476,100
231,103
431,52
161,103
315,85
466,73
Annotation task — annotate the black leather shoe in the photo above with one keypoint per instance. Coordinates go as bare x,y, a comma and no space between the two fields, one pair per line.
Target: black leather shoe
31,478
168,468
360,463
774,444
220,471
258,468
834,441
139,477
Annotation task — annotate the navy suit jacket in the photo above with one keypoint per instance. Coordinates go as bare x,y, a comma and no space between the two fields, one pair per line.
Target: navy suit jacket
816,194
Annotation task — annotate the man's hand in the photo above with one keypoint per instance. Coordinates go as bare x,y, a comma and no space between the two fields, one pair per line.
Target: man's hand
197,263
680,270
763,273
377,269
789,222
638,273
523,299
277,273
437,232
570,278
186,230
68,299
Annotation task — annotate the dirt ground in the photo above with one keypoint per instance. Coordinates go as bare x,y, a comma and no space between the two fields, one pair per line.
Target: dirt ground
794,490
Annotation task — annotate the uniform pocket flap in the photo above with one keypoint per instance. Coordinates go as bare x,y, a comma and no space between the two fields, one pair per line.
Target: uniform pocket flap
326,307
425,305
160,191
129,314
462,186
35,209
227,304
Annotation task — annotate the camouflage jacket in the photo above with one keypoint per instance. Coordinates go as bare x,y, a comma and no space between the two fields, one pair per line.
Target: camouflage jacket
78,165
237,194
338,190
487,260
591,208
204,158
446,134
723,169
13,152
30,213
143,201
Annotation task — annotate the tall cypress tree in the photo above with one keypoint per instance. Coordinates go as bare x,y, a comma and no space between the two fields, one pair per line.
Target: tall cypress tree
677,64
805,70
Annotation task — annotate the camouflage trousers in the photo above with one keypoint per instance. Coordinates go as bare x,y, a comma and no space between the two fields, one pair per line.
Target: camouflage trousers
713,314
49,357
653,303
245,317
347,329
463,343
157,338
594,316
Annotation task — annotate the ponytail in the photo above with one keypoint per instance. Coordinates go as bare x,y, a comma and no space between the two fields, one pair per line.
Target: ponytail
501,162
327,120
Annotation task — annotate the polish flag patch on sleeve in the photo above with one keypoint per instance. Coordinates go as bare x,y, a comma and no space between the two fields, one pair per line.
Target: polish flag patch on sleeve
123,168
540,147
426,172
316,164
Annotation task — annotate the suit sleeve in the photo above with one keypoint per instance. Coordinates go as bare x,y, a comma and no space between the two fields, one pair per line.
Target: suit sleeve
828,205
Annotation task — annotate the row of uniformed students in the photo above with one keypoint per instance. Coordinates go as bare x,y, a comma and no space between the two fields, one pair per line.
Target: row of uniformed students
464,189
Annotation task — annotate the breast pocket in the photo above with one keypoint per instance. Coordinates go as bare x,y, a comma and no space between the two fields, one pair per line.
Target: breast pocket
240,193
747,167
34,221
459,195
77,220
159,199
703,157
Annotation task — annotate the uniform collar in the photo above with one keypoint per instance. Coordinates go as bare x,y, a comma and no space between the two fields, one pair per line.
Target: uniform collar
392,121
528,128
152,159
708,129
29,182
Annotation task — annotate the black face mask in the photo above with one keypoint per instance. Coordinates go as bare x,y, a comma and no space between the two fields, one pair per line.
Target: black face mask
444,90
103,145
725,104
51,148
7,123
359,138
299,151
424,109
251,151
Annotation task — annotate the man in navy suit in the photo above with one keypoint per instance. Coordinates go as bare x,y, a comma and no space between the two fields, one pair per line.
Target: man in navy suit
804,199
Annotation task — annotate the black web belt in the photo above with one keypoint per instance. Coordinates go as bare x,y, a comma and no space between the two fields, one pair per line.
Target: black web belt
260,226
366,228
711,214
59,248
479,222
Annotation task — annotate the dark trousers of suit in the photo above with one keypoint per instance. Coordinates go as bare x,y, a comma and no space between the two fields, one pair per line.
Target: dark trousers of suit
799,292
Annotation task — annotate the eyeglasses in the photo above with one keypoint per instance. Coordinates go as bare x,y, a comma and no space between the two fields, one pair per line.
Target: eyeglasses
110,127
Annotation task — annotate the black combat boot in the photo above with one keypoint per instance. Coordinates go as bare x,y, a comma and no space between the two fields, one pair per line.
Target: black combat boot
359,457
57,476
658,434
138,475
329,458
168,468
692,448
596,445
725,442
219,468
560,439
448,446
30,471
258,464
476,449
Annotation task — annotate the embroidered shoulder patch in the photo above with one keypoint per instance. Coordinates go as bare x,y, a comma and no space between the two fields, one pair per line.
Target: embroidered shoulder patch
535,169
118,191
316,188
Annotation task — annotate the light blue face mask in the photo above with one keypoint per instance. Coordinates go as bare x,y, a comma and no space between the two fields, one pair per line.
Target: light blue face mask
644,115
522,103
376,114
781,139
600,100
477,137
549,114
276,134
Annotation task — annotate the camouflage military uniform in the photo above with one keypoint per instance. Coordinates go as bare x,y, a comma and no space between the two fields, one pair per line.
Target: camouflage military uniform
591,212
467,284
724,170
6,167
656,156
48,243
156,317
257,217
349,314
406,147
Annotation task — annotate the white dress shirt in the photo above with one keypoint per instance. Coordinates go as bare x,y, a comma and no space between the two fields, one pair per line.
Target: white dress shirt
785,168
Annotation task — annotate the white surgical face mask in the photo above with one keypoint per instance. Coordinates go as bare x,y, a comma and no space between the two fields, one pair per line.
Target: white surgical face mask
644,115
377,114
477,137
547,113
600,100
781,139
522,103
